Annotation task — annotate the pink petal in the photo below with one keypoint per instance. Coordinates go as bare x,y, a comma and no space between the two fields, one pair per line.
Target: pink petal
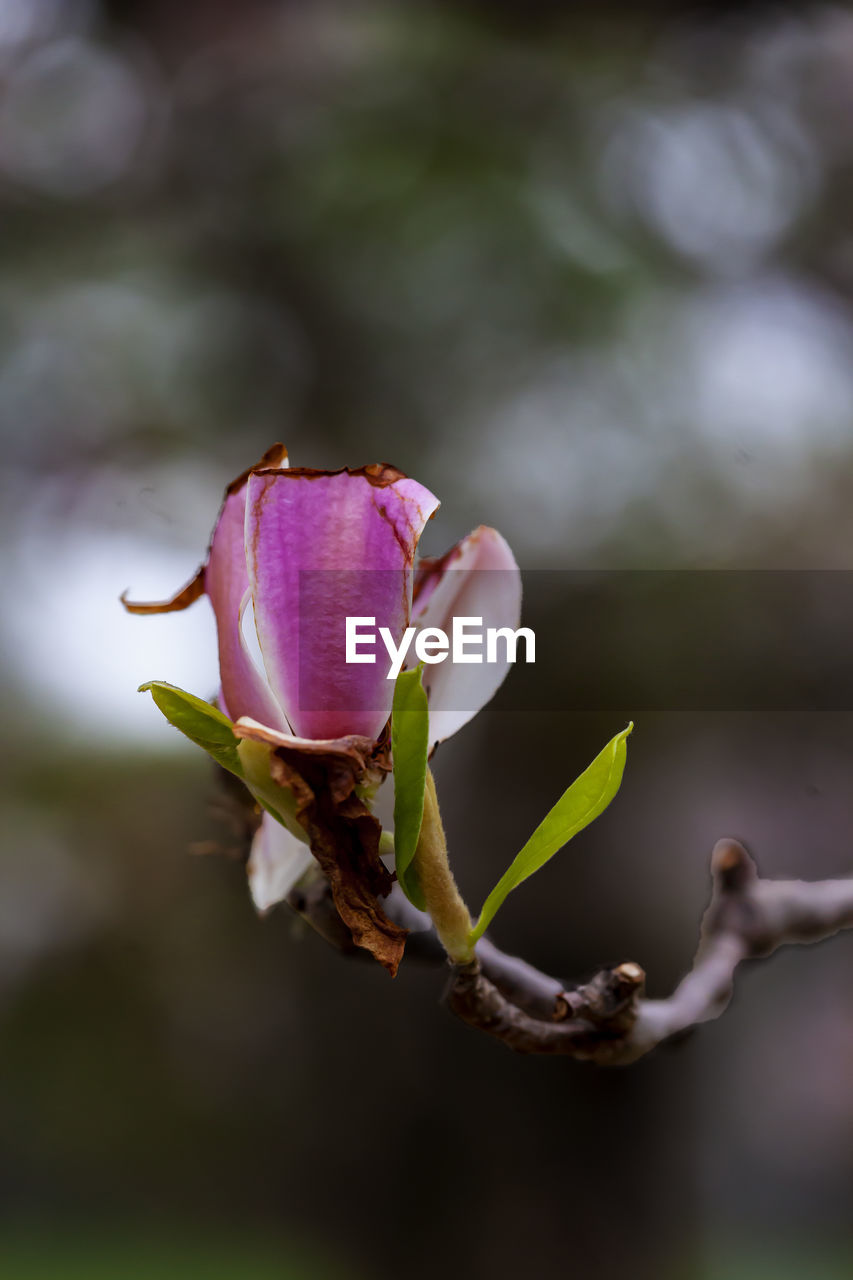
225,580
477,578
322,546
245,691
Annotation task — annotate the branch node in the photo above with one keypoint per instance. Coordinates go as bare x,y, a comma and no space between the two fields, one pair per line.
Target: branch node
732,867
608,1001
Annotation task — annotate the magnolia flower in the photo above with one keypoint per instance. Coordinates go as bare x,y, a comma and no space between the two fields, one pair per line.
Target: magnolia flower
296,551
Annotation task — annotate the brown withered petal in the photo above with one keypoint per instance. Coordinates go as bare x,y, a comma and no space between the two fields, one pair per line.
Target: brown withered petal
372,760
182,599
276,456
344,836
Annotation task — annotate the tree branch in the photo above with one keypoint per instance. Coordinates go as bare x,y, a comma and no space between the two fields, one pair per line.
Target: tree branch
608,1019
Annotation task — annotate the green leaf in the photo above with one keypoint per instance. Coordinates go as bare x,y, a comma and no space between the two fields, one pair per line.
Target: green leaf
207,727
587,797
200,721
409,748
254,759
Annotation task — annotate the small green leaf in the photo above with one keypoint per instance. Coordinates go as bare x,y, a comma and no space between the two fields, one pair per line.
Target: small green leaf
587,797
409,748
207,727
254,760
200,721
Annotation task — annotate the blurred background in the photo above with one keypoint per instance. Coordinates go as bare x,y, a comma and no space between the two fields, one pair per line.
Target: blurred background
587,273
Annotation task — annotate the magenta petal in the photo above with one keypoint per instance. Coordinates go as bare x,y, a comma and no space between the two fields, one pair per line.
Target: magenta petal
225,580
322,546
245,691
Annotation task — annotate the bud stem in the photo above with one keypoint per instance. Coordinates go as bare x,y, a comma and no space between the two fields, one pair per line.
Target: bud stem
443,900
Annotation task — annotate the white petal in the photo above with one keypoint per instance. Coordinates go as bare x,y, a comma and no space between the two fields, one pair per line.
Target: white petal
276,862
246,727
478,578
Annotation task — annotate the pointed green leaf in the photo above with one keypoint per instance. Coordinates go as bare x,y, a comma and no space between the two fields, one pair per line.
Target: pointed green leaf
200,721
409,748
207,727
587,797
254,758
